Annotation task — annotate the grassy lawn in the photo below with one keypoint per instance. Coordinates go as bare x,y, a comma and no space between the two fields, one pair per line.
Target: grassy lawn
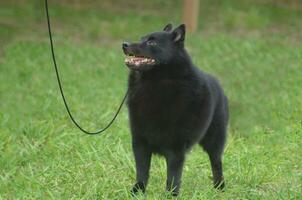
253,47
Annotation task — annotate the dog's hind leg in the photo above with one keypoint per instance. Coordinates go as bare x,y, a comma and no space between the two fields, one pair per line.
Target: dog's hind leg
216,165
213,144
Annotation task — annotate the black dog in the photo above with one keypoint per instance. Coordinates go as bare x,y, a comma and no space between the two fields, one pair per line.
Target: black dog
172,106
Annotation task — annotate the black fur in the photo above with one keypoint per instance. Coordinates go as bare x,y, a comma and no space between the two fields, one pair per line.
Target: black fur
172,106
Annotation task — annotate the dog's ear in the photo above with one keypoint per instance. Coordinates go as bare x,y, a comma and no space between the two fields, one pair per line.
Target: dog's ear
179,33
168,27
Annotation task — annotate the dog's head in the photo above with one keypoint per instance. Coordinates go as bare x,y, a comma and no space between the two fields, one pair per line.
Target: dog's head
155,49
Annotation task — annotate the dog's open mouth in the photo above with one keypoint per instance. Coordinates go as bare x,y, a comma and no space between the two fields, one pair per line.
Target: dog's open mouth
139,61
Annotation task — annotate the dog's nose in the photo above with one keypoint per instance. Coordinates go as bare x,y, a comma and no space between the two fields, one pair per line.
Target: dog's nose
125,45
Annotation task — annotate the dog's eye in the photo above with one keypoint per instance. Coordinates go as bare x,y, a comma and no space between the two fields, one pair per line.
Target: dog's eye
151,42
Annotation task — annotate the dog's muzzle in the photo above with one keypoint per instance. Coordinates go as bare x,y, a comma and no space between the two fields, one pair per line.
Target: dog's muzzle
135,60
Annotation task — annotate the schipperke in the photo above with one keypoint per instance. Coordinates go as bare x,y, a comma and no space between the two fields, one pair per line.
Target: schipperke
172,106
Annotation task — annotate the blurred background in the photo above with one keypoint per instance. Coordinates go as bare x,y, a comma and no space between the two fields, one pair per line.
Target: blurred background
252,46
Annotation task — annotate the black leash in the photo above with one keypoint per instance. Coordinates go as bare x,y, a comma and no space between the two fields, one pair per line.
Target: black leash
61,89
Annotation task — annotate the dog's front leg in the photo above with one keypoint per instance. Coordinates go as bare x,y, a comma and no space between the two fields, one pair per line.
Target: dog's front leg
175,163
142,157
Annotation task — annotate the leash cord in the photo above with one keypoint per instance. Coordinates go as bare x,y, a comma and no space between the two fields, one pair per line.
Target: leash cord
61,88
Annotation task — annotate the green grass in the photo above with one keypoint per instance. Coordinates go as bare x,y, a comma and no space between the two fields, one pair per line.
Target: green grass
253,47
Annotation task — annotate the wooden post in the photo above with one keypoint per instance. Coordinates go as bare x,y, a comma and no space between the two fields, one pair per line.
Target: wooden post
190,14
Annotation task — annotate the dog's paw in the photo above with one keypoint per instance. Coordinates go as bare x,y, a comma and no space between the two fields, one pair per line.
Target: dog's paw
173,191
138,187
220,185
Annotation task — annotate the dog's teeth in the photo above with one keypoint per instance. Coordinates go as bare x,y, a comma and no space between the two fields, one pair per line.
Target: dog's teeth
137,61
